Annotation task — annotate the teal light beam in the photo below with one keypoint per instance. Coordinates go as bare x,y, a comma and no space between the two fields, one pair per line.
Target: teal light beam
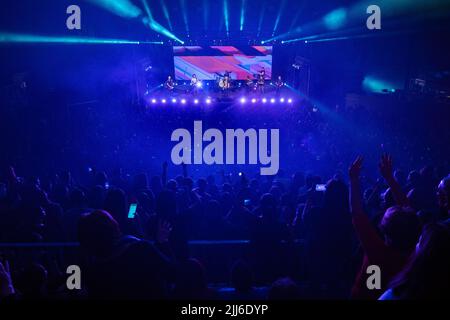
185,17
279,14
261,18
166,13
155,25
225,15
122,8
242,20
6,37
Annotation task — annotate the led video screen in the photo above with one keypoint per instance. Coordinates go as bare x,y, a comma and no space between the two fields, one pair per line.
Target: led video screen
209,62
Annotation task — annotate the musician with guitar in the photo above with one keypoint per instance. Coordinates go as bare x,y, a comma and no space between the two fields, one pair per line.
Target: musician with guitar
279,84
195,84
169,84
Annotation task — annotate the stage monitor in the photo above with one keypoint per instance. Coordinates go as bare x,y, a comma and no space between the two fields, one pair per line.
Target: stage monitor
211,62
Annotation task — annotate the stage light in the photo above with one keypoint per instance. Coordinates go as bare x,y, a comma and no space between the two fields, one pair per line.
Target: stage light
253,100
163,100
185,17
122,8
241,27
183,101
166,14
277,20
155,26
208,101
335,19
264,100
272,100
174,100
153,100
225,15
196,101
28,38
243,100
373,84
289,101
282,100
199,84
261,18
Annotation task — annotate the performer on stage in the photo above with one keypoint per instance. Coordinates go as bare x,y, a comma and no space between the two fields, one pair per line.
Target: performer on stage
169,84
279,84
195,83
250,84
261,81
225,82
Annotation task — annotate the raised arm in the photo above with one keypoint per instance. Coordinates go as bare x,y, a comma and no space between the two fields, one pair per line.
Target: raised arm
385,167
367,234
354,171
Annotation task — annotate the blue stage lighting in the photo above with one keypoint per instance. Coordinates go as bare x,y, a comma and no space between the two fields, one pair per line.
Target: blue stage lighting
208,101
196,101
174,100
253,100
243,100
163,100
282,100
183,101
153,100
272,100
264,100
289,100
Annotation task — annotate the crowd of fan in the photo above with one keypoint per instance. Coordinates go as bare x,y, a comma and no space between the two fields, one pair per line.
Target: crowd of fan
400,225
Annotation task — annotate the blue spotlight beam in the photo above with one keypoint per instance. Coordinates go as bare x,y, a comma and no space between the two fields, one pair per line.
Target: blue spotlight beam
122,8
155,26
261,18
242,19
205,14
277,20
166,14
339,17
185,17
30,38
225,15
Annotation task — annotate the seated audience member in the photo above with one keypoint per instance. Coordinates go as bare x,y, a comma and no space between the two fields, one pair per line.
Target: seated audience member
123,267
400,228
427,276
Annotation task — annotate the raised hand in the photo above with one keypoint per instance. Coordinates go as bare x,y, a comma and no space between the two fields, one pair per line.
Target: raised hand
355,168
385,167
386,171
